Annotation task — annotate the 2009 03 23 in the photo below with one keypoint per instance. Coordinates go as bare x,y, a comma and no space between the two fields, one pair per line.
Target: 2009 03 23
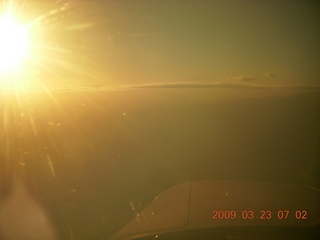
262,214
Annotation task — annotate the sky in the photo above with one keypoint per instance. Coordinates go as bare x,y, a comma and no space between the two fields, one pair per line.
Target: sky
127,42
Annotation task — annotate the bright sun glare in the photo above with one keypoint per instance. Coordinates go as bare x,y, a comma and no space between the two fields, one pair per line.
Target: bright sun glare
13,43
38,45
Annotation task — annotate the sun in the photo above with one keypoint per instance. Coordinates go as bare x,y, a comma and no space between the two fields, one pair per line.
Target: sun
42,45
13,43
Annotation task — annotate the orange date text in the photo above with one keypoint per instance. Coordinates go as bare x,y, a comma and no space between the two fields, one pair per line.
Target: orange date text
260,214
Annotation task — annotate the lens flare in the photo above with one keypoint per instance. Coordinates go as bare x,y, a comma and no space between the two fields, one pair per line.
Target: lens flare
44,45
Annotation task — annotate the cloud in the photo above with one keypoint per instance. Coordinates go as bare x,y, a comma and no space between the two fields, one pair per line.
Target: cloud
187,85
184,85
80,26
226,85
270,75
244,78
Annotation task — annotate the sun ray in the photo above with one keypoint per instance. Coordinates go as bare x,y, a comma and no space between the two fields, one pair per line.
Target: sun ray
52,54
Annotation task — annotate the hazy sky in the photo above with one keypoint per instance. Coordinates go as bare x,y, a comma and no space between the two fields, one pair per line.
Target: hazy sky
130,42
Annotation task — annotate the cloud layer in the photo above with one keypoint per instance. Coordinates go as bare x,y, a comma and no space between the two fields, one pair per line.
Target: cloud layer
244,78
270,75
229,85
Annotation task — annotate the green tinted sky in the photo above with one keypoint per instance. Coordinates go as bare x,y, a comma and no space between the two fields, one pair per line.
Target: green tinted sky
209,40
130,42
